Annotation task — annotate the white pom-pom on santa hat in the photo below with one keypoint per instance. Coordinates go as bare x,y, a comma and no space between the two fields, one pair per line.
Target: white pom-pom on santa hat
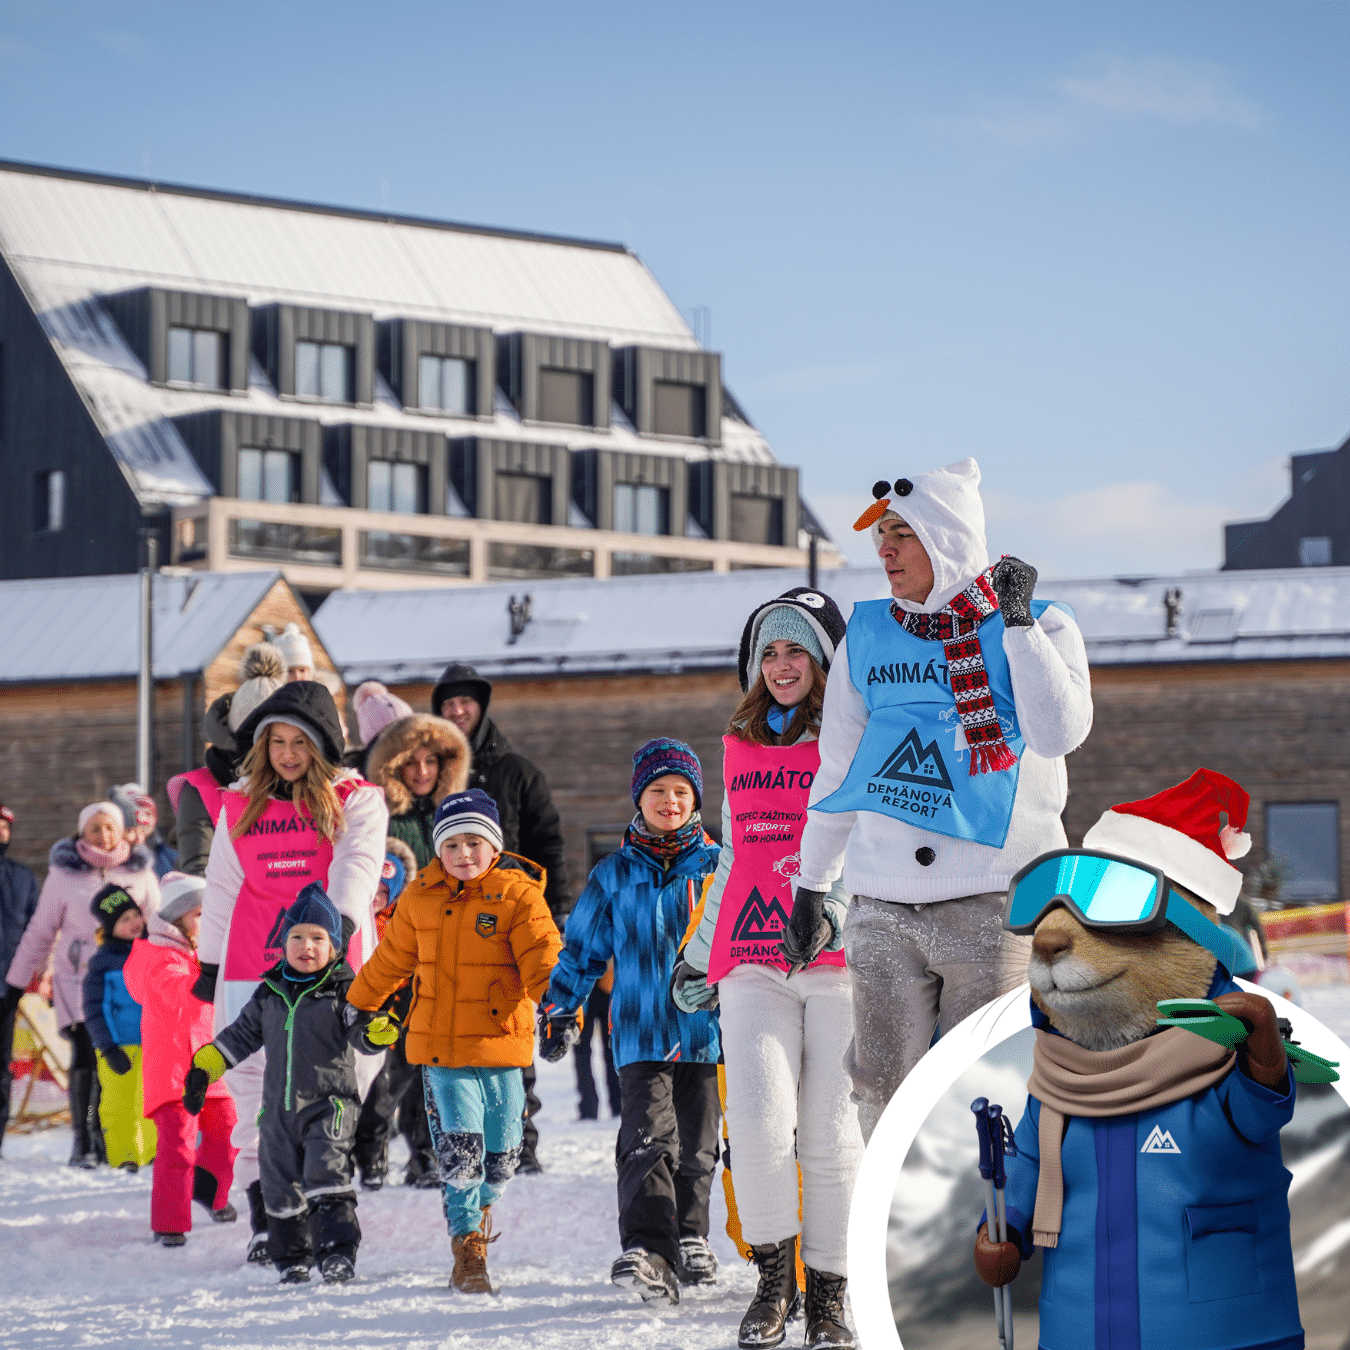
1189,832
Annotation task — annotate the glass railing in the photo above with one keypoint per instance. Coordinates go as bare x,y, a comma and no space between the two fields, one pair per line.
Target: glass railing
643,564
537,562
320,544
412,552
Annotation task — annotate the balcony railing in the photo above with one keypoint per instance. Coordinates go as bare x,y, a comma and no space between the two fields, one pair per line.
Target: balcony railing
324,547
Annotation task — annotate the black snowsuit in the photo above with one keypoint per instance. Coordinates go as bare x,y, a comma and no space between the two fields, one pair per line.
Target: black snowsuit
310,1107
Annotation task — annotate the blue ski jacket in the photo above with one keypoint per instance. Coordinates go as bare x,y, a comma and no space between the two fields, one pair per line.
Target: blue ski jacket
111,1015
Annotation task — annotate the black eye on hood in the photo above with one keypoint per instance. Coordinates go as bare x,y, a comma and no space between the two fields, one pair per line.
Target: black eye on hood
880,489
903,487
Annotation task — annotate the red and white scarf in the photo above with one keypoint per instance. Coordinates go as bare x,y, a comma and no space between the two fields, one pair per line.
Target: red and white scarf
956,626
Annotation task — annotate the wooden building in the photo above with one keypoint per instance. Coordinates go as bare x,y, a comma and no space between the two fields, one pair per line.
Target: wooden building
68,679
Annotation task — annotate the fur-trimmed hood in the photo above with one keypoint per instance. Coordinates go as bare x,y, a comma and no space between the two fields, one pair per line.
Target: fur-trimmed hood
66,856
394,747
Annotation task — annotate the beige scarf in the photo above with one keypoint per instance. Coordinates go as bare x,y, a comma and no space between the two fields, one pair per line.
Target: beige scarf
1070,1081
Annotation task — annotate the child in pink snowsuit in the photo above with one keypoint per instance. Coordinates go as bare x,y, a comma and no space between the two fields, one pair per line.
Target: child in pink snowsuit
159,975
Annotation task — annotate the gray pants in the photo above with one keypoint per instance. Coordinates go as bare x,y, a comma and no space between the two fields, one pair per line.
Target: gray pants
916,967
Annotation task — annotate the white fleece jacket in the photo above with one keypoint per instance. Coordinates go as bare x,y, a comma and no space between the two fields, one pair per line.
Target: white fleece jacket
1047,662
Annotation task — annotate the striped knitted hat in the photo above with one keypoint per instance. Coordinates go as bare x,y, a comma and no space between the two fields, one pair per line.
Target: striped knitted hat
663,756
471,812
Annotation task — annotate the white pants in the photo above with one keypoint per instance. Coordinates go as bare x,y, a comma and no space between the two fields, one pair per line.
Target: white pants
784,1042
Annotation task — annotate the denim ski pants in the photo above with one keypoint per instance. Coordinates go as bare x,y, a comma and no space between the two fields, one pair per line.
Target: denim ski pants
476,1132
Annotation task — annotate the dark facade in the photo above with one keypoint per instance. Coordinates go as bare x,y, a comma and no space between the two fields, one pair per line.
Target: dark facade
1311,529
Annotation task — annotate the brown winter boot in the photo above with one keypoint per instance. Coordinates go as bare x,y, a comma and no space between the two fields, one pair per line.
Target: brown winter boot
470,1275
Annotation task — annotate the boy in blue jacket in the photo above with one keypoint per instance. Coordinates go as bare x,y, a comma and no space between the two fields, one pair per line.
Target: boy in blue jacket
635,909
113,1020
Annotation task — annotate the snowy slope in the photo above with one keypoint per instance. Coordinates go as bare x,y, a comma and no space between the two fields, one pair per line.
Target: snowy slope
79,1268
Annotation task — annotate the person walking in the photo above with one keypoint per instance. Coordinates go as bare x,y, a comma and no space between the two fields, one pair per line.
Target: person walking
948,712
18,900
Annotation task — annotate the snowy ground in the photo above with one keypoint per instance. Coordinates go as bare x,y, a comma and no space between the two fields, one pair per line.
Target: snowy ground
79,1268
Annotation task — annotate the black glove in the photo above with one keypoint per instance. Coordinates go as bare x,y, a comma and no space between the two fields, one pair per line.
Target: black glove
205,987
689,989
558,1032
194,1090
1013,582
10,1002
116,1059
807,932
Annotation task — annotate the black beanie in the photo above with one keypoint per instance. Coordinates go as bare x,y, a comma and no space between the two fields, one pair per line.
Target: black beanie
109,905
457,678
303,703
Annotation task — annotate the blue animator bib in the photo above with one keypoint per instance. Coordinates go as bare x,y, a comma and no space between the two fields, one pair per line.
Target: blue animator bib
913,763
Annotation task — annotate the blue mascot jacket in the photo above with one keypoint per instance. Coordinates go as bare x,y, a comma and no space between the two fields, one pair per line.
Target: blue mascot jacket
1175,1228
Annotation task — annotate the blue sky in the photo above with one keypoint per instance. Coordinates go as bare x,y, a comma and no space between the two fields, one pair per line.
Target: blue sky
1100,247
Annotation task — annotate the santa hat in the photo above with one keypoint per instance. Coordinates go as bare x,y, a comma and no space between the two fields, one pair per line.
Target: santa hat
1180,831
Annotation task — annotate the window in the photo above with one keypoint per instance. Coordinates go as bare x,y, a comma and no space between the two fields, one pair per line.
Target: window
641,509
49,501
324,370
445,384
679,409
1303,840
1314,551
522,497
395,487
567,396
756,520
269,476
197,357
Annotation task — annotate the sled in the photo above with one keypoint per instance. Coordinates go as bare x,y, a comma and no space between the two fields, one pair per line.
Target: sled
40,1064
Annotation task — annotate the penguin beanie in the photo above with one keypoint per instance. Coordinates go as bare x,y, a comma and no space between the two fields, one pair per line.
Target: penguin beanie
662,756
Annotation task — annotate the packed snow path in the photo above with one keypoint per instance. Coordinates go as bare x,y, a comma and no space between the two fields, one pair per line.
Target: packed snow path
80,1269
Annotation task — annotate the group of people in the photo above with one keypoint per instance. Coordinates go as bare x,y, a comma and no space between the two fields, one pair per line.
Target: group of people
387,924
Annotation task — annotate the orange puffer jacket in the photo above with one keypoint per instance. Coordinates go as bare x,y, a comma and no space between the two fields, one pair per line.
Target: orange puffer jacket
480,953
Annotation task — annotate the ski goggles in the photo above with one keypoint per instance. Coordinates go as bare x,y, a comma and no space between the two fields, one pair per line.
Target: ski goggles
1106,892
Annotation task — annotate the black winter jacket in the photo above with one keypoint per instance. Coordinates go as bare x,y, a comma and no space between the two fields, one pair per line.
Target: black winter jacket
530,825
309,1031
18,900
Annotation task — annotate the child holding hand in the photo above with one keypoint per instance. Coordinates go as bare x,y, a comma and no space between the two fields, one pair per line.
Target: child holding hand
475,931
159,974
300,1016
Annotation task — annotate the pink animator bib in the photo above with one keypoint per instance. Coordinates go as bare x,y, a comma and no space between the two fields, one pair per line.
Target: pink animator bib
767,787
205,782
281,854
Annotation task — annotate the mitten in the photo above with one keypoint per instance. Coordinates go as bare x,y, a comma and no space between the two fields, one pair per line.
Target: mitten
690,990
207,1065
807,932
205,987
996,1263
558,1031
1261,1055
382,1029
116,1059
1013,582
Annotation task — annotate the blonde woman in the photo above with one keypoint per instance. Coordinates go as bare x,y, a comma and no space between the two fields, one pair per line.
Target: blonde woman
293,817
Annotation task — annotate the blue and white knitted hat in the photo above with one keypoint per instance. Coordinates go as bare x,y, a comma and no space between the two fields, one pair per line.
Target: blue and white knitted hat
471,812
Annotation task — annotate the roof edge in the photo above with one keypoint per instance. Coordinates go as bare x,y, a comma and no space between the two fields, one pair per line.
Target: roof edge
314,208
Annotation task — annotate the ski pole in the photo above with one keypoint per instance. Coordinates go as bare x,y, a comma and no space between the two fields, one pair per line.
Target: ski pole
980,1106
1001,1143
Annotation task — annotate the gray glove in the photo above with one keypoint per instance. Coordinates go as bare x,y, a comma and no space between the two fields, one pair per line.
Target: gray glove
690,990
1013,582
807,932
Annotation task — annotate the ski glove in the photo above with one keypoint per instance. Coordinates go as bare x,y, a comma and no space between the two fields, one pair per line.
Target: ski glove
205,987
382,1030
807,933
1013,581
116,1059
207,1065
689,989
558,1031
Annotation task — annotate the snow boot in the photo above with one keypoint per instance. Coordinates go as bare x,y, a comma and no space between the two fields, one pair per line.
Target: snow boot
825,1325
646,1273
171,1239
697,1263
259,1253
297,1274
470,1275
765,1321
336,1269
422,1172
81,1086
373,1180
225,1214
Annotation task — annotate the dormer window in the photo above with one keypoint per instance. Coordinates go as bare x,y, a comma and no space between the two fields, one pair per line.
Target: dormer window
563,381
670,393
268,475
323,370
323,355
446,384
185,339
197,357
566,397
641,508
396,487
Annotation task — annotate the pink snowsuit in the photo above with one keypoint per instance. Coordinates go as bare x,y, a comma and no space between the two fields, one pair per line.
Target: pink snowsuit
159,975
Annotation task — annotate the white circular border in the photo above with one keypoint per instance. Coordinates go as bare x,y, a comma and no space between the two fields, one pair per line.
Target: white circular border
902,1119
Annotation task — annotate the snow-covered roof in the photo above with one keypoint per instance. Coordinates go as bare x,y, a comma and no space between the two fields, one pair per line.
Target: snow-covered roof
693,621
82,628
73,238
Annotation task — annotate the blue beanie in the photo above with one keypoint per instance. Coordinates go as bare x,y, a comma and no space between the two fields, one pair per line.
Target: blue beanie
312,905
662,756
395,884
471,812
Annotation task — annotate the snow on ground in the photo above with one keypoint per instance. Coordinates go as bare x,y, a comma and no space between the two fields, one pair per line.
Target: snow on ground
79,1268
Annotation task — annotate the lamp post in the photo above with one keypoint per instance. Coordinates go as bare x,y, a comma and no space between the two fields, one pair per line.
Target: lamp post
145,682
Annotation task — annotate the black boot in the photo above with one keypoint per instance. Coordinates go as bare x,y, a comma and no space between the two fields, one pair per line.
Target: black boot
825,1325
97,1147
81,1086
259,1252
765,1320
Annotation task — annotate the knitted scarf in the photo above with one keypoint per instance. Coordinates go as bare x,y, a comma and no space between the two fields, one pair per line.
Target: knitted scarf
664,849
100,858
956,626
1070,1081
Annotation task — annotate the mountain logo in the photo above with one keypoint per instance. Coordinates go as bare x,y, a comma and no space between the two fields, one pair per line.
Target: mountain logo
1160,1141
914,762
277,936
759,922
